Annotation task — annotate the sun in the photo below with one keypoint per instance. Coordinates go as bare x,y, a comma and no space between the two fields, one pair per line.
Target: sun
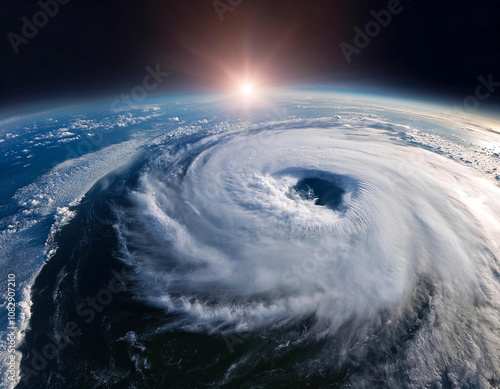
247,89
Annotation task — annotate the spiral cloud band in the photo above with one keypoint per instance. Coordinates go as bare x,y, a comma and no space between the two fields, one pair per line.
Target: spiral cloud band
344,227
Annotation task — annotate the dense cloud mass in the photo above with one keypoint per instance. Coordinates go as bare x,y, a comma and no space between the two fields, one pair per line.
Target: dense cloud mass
230,243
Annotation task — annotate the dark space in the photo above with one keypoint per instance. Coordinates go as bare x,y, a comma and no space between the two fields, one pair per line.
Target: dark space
98,48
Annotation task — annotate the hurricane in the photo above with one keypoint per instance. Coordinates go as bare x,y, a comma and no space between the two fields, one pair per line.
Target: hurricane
328,239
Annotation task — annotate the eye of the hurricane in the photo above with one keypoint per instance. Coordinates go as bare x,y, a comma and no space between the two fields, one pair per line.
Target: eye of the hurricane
322,192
